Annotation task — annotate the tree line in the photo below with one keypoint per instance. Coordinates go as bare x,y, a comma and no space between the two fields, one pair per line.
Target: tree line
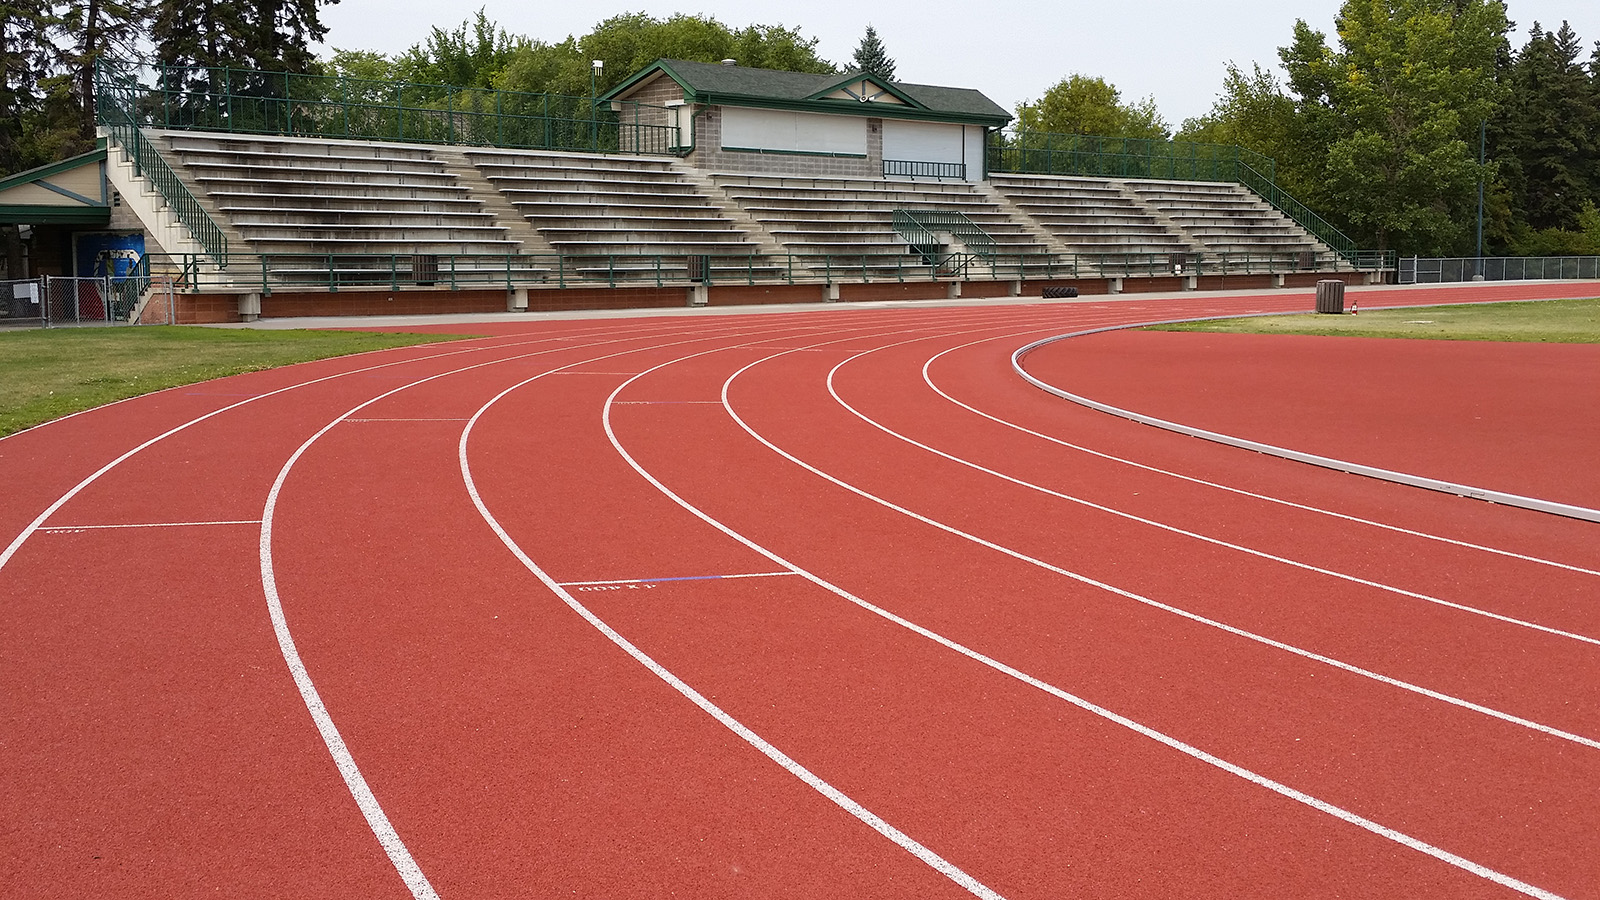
1387,132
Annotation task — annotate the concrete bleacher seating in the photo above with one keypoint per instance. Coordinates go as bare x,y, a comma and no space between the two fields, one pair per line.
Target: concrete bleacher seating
1227,219
832,224
597,211
1094,218
343,212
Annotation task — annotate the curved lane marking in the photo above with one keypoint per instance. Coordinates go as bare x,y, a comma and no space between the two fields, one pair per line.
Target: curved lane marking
1185,748
789,764
1219,542
1433,484
399,856
928,379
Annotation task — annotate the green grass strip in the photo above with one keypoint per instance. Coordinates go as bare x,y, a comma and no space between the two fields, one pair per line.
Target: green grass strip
47,374
1550,321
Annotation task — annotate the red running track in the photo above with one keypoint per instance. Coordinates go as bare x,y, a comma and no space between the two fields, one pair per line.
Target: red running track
801,604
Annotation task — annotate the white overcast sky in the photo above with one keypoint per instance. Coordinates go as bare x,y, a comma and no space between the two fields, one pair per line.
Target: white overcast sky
1013,51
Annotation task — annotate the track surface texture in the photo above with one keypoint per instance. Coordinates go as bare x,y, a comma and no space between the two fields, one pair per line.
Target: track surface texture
822,604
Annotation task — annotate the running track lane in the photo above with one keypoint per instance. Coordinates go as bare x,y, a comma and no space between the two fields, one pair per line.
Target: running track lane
207,754
640,407
881,535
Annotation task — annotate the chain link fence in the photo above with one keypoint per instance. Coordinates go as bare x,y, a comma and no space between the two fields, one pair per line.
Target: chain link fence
53,300
19,303
1414,270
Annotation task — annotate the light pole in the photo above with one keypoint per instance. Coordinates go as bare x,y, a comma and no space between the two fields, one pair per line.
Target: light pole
1483,127
594,134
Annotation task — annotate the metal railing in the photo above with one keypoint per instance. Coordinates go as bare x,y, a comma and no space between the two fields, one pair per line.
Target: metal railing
248,101
456,272
1445,270
1302,215
912,168
117,95
1035,153
921,227
1042,153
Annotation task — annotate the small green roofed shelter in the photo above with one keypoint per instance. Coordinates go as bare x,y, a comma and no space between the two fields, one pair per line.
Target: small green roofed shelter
730,118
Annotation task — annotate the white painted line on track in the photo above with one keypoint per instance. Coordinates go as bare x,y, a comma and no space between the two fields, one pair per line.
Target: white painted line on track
1432,484
839,798
17,542
399,856
668,402
1218,542
1151,602
54,529
410,419
1185,748
926,377
676,578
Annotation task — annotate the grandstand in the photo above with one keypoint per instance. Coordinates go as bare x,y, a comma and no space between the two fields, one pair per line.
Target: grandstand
708,183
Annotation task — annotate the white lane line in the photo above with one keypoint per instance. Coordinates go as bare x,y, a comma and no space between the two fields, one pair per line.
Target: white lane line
411,419
17,542
1503,498
1218,542
1187,749
1156,604
52,529
677,578
481,345
668,402
838,797
399,856
926,377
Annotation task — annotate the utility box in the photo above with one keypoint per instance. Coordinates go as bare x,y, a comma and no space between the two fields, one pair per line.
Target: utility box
1330,296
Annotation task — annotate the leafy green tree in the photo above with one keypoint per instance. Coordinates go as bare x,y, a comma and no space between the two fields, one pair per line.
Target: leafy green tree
872,58
472,56
630,42
1080,104
1394,107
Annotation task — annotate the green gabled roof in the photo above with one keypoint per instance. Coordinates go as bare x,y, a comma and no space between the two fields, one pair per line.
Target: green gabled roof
714,84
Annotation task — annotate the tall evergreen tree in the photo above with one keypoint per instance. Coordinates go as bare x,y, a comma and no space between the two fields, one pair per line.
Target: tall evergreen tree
1548,130
94,29
872,58
28,59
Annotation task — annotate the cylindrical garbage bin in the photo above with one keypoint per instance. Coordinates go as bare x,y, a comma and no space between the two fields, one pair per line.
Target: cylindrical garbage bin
1330,296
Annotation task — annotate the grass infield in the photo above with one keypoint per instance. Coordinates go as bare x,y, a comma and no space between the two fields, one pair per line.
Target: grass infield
1552,321
47,374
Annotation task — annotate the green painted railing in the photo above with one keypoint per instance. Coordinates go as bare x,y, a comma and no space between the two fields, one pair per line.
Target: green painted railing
1034,153
920,228
1040,153
116,97
446,272
1299,212
248,101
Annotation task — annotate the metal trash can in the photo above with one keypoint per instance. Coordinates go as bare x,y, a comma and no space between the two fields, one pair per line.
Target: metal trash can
1330,296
